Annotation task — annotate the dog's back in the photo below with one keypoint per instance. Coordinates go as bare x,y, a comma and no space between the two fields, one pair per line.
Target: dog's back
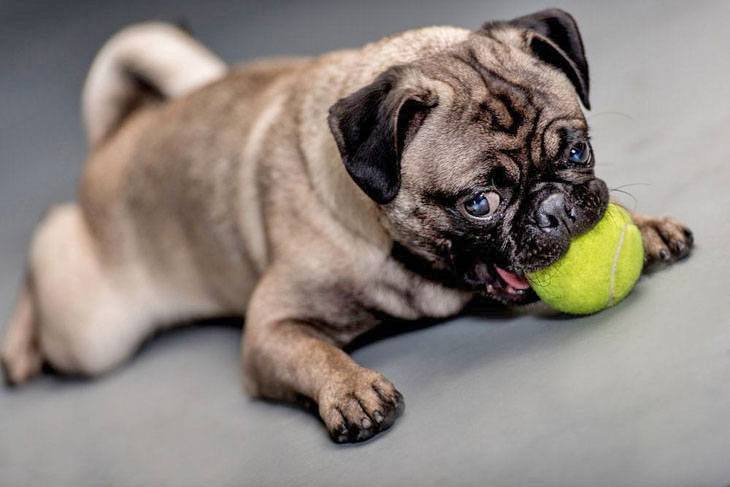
163,199
171,183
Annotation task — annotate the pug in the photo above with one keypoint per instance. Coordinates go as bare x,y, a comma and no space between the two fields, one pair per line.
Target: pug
317,197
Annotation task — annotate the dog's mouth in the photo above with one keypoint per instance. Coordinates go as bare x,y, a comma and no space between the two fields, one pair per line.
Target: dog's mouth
503,285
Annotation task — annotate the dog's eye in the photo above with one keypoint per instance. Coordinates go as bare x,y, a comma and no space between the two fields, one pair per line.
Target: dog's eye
482,204
580,153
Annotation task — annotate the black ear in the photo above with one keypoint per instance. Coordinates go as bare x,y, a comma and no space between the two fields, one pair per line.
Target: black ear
554,38
372,127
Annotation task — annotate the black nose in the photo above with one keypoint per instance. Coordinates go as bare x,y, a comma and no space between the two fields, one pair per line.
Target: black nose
555,212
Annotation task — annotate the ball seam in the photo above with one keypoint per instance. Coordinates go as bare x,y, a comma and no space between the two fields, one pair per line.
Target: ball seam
614,266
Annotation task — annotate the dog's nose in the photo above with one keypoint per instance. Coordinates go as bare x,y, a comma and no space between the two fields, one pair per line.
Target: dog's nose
555,212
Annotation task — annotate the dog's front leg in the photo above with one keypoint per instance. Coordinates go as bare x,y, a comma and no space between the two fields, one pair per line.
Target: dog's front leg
666,240
290,360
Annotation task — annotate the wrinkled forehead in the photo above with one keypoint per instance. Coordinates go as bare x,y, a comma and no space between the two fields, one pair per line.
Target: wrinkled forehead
500,105
508,69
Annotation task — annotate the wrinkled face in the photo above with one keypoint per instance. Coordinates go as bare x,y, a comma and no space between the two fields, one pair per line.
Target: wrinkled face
496,170
499,177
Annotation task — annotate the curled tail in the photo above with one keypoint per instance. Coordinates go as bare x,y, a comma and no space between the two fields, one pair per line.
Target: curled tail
143,59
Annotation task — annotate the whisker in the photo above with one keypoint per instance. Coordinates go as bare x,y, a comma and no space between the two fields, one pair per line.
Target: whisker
618,190
631,184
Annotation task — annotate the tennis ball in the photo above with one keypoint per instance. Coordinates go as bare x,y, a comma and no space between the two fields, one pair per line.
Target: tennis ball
599,269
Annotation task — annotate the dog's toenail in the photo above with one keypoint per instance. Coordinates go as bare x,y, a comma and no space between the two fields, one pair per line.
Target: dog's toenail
378,417
366,423
664,254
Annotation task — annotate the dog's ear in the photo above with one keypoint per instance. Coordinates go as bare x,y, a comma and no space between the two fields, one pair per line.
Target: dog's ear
373,126
554,38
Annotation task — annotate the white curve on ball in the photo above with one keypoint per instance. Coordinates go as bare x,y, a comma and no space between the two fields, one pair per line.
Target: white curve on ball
614,266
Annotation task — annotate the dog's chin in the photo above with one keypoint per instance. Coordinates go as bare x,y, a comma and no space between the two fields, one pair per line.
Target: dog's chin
501,284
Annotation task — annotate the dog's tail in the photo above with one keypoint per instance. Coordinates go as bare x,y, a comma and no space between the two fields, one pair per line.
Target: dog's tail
151,60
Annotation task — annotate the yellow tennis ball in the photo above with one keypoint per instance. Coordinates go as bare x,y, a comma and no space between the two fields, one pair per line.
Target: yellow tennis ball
600,268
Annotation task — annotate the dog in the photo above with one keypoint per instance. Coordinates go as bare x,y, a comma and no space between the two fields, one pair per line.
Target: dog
319,197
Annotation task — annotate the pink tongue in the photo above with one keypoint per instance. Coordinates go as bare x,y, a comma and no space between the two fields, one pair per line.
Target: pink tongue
513,280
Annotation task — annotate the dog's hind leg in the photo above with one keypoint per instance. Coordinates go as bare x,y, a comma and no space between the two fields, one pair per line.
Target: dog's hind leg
77,313
69,313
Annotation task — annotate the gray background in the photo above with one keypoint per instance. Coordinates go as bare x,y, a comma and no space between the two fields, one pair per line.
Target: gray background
637,395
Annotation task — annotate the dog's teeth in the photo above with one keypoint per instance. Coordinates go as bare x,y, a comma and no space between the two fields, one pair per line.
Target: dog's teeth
490,288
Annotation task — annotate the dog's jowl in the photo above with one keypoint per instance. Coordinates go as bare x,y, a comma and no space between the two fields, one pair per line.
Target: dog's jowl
319,197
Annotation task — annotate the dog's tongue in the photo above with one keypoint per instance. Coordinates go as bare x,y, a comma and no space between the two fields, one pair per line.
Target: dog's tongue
512,279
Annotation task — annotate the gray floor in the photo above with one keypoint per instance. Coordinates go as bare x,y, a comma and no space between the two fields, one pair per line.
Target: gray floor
638,395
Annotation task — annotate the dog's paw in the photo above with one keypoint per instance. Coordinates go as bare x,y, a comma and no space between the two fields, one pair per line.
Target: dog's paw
665,239
359,406
18,365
